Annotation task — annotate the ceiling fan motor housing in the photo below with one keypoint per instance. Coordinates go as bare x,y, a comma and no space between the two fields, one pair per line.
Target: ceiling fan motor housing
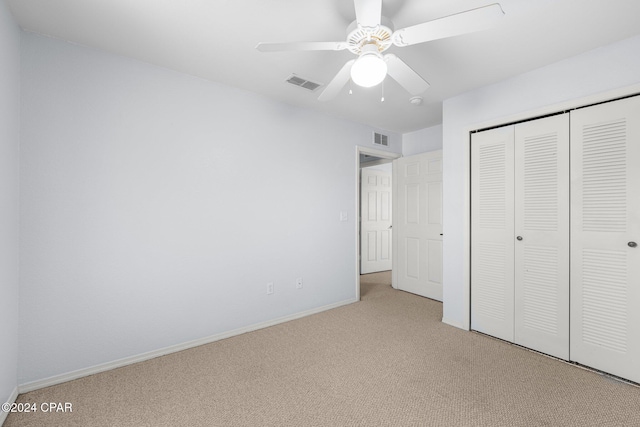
359,36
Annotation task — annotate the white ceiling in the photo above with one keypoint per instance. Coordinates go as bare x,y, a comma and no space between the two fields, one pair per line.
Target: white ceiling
216,39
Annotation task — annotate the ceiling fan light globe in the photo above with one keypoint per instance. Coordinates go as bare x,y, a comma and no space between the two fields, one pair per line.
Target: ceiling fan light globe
369,70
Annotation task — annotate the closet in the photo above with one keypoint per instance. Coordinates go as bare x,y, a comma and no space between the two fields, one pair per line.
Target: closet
555,217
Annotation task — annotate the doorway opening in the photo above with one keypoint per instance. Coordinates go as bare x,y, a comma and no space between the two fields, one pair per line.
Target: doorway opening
377,167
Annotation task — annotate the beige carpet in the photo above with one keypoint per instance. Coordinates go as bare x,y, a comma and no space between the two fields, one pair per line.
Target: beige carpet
386,361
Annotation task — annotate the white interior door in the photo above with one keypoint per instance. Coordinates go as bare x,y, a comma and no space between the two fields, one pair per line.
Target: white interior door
492,232
542,235
605,221
418,224
375,225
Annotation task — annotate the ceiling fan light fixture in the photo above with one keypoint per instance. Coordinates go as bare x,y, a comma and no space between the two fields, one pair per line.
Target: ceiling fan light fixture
370,68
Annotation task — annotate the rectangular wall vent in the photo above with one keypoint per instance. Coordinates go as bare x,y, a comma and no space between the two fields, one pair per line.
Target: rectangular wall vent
304,83
380,139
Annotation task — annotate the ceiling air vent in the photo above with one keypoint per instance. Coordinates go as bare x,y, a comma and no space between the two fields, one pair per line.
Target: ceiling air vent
380,139
307,84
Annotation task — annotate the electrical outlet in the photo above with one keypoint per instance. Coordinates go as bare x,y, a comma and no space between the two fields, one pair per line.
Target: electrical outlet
299,283
269,288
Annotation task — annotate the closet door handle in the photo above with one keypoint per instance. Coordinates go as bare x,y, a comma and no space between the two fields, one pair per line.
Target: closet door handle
519,237
632,244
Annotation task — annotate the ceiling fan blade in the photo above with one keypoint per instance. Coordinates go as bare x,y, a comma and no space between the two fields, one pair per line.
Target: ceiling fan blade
368,12
300,46
338,82
470,21
404,75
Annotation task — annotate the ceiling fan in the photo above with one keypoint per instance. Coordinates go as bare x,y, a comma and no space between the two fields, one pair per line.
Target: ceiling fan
371,34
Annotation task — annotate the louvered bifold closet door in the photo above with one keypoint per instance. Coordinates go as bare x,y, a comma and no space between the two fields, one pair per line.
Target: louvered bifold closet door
492,232
542,235
605,228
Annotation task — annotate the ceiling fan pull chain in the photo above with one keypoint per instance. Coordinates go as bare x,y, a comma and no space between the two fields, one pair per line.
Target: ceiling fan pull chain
382,89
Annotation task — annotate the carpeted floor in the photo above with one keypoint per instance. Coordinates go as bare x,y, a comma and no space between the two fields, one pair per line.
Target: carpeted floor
386,361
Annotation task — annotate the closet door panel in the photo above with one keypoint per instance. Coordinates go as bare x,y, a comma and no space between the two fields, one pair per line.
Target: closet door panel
605,219
492,240
542,235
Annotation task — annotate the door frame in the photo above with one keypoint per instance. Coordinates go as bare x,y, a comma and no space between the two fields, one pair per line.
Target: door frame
383,155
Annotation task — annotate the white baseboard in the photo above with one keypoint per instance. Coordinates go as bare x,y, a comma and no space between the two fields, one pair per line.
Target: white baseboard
454,324
58,379
12,398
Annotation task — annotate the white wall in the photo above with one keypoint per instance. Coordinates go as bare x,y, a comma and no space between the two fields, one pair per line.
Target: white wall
422,141
385,167
604,69
156,206
9,198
